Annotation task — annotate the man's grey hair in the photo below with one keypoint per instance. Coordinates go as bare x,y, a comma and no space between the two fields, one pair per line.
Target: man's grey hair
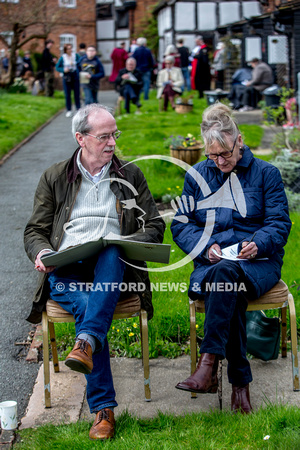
80,120
141,41
199,38
217,125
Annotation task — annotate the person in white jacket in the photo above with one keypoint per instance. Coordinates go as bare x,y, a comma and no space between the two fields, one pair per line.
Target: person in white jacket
169,82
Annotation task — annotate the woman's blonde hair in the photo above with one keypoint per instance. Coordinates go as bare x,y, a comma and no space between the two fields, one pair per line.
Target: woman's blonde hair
218,124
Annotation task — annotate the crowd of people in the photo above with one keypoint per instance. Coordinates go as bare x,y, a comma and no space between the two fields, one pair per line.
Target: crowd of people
135,70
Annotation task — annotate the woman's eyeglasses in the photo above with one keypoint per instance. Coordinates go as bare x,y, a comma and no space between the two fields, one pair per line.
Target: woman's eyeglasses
227,154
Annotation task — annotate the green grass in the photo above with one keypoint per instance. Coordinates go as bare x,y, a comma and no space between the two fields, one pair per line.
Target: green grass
22,114
145,134
215,430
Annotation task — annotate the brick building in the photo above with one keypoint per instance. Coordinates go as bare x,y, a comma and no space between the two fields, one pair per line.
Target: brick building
103,23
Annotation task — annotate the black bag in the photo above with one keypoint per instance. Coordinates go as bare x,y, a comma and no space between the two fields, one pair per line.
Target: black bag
68,77
263,335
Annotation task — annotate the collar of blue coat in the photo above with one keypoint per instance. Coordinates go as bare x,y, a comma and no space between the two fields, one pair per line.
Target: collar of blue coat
246,160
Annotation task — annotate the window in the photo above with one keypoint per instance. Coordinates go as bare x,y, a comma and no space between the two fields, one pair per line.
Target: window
122,19
7,36
67,3
104,12
65,39
207,18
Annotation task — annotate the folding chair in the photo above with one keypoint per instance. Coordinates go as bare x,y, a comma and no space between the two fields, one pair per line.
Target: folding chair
278,297
130,307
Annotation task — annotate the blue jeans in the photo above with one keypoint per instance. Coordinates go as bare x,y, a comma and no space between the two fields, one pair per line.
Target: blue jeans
68,88
225,319
90,95
146,77
93,312
186,76
129,93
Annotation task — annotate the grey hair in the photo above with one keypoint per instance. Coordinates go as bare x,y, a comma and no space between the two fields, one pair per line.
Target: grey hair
218,124
141,41
169,58
80,120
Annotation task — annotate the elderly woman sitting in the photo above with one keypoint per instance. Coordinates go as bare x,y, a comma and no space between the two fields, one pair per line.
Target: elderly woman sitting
169,82
231,198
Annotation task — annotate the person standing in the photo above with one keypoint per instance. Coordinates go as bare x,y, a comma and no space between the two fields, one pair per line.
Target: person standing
48,64
131,83
219,65
67,65
201,68
118,57
144,63
184,63
91,72
82,49
27,64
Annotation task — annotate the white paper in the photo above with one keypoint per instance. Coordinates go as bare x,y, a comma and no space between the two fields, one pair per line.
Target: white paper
230,253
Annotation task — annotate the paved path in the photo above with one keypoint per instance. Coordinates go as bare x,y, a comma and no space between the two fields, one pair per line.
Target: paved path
19,176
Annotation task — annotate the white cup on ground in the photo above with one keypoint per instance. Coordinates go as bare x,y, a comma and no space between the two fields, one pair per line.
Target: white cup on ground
9,415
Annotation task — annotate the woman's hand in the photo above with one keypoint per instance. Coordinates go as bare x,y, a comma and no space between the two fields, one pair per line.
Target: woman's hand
213,258
249,251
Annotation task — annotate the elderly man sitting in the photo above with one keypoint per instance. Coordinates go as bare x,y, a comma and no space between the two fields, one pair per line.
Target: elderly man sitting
262,77
130,81
76,201
169,82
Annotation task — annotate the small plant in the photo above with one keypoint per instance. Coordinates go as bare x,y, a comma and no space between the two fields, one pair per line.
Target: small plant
185,99
181,142
18,86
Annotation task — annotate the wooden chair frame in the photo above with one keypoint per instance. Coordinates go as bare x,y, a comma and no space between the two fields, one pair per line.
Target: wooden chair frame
49,319
267,301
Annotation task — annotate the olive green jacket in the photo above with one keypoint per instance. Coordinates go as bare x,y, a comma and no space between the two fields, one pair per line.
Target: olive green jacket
54,199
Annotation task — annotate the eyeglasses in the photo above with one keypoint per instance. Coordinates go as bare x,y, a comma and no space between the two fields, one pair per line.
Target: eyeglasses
106,137
225,155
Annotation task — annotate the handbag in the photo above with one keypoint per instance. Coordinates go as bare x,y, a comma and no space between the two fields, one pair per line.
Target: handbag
263,335
68,77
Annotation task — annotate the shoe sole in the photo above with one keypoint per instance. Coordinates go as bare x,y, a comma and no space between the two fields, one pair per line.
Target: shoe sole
212,390
78,366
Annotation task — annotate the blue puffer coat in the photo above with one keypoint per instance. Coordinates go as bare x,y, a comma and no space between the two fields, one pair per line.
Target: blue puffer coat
266,213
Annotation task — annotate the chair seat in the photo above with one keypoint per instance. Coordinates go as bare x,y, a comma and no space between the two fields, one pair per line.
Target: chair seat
128,306
277,297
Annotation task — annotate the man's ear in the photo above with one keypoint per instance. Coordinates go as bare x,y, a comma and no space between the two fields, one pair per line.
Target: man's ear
79,138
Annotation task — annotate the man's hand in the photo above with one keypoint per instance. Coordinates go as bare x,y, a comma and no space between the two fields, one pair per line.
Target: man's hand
39,266
249,251
213,258
125,76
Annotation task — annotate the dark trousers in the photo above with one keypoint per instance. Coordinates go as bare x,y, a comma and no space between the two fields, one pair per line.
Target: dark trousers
168,93
251,97
225,318
129,94
70,86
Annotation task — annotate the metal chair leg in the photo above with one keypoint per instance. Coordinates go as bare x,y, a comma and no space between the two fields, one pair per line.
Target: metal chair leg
47,393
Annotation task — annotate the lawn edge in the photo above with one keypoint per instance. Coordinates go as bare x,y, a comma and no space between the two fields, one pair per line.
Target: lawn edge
28,138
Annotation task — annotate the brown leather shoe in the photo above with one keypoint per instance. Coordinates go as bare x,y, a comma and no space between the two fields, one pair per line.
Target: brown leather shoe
240,399
80,358
204,380
104,425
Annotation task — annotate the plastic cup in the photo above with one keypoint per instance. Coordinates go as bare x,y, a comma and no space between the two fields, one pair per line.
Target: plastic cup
9,415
